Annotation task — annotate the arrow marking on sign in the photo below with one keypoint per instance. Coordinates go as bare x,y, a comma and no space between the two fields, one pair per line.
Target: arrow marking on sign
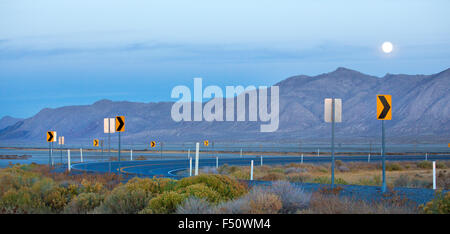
386,105
50,136
120,124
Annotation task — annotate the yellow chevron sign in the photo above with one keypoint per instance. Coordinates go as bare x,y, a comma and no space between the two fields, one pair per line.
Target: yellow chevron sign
384,107
206,142
95,142
51,136
153,144
120,123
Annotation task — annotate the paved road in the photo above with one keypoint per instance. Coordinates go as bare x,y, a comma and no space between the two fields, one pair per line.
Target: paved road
168,168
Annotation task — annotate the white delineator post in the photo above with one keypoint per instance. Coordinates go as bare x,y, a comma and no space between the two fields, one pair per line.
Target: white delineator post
368,158
261,160
241,153
251,170
131,155
81,154
189,153
197,146
68,159
434,175
426,156
190,166
217,162
301,160
318,152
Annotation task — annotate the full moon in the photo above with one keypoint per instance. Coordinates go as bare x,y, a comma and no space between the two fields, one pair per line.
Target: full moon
387,47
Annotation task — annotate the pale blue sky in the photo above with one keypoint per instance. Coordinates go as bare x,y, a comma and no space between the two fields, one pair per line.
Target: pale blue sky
56,53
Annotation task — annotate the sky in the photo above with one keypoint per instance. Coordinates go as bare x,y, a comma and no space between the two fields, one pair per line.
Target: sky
58,53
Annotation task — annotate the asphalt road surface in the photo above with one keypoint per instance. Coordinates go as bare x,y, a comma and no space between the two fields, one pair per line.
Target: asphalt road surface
168,168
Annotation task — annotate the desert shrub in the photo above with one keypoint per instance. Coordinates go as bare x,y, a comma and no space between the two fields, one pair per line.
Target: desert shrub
165,203
439,205
21,201
272,176
264,203
402,181
291,170
300,177
210,170
127,199
151,185
425,165
226,187
91,187
327,180
443,180
374,181
236,206
393,167
292,197
141,157
257,201
338,163
201,191
84,203
194,205
334,204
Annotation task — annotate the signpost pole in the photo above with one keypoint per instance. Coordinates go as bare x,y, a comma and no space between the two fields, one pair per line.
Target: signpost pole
49,151
332,142
251,170
119,156
383,157
68,160
102,148
190,166
434,175
197,146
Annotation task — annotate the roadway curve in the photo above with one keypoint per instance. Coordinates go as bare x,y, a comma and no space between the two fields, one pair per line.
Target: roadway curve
167,168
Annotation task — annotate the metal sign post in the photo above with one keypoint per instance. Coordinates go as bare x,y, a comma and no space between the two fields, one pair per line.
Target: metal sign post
333,114
197,146
120,127
384,112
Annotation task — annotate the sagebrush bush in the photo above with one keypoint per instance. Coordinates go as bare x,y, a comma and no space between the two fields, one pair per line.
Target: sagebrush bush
439,205
84,203
165,203
393,167
226,187
264,203
425,165
194,205
125,200
292,197
201,191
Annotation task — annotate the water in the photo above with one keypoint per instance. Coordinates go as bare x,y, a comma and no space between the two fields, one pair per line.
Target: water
42,156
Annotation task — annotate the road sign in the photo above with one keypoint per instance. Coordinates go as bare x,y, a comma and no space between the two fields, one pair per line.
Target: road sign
61,140
337,110
205,142
51,136
120,123
448,145
153,144
95,142
109,125
384,107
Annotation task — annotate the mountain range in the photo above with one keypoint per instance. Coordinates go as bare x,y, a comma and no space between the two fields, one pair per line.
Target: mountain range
420,112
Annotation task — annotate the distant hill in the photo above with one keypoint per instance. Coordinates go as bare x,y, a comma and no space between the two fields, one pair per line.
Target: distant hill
8,121
421,112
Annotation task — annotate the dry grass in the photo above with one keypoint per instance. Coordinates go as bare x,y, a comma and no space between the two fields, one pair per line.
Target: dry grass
418,174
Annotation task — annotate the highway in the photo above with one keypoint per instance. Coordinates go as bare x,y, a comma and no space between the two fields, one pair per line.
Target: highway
168,168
